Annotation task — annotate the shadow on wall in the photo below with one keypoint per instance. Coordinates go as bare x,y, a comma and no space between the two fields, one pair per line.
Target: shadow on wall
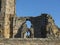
39,25
0,5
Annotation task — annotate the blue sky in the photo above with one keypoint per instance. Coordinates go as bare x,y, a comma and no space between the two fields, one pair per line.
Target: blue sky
36,7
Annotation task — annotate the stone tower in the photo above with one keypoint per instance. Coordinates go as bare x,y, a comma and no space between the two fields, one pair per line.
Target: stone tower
7,11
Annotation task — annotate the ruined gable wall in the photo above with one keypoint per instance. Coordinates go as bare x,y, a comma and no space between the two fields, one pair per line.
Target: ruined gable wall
41,26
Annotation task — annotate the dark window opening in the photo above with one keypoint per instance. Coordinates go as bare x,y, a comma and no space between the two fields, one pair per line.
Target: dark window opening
0,5
1,34
0,25
11,27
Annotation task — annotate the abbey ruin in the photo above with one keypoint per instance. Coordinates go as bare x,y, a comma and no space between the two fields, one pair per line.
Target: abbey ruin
11,26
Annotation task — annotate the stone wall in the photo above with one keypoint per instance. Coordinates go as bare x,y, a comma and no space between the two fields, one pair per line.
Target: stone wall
33,41
41,26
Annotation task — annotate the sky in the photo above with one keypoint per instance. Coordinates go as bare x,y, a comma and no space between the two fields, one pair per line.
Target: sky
36,7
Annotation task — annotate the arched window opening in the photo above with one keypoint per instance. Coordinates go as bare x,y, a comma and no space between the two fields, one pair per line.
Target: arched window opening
28,23
27,34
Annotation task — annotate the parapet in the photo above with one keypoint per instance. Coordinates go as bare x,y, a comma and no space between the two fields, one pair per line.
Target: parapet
29,41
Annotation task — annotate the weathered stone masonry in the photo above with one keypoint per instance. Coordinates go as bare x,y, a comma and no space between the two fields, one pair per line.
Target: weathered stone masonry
42,27
13,29
30,41
11,26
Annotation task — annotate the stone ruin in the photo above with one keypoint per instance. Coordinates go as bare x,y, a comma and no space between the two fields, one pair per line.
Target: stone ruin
11,26
42,26
14,30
